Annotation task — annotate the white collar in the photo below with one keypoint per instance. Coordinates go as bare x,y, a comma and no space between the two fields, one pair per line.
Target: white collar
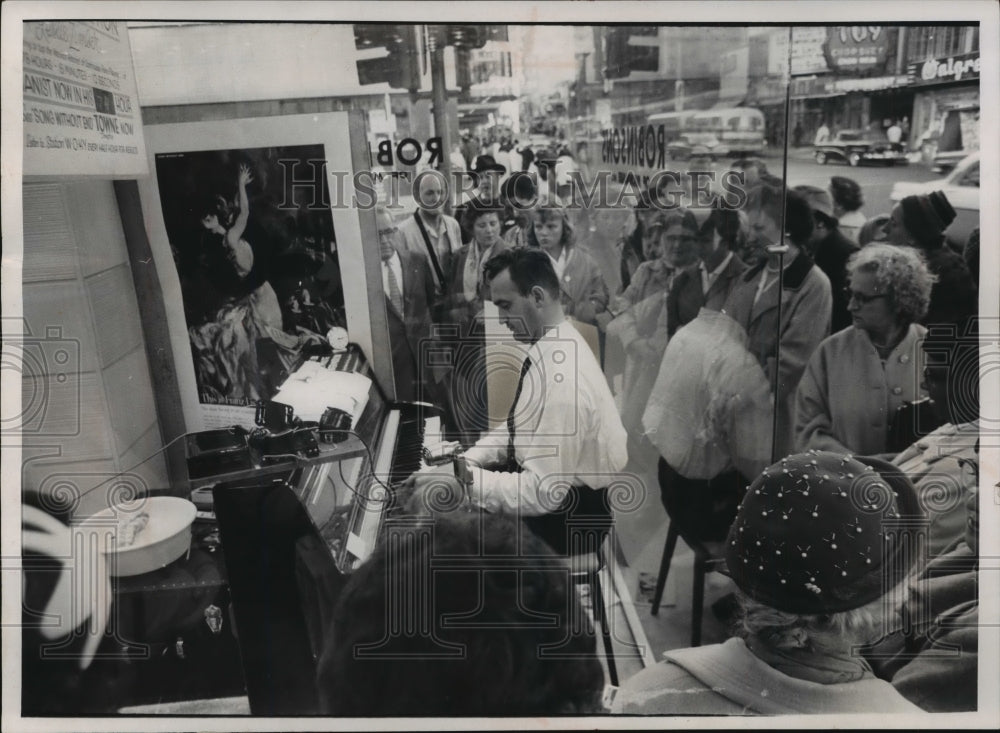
436,229
722,266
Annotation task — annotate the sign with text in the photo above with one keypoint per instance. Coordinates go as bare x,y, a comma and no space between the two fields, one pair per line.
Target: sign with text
857,48
81,107
807,51
951,69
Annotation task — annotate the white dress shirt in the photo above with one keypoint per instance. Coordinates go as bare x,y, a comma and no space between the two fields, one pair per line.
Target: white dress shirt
566,430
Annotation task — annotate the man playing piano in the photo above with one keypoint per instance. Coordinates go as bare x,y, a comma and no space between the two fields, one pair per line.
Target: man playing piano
563,442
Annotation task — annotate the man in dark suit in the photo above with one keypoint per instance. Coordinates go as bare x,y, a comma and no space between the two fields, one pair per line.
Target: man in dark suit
409,292
830,250
707,283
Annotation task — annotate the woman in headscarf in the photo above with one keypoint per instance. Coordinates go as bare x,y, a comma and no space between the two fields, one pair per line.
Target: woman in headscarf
919,221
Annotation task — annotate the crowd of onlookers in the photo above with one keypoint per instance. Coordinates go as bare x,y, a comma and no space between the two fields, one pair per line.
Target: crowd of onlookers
851,346
807,378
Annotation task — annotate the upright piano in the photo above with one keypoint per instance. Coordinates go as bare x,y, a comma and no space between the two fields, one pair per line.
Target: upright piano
293,532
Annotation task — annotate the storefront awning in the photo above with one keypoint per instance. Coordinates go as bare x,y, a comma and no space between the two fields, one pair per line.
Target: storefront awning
818,87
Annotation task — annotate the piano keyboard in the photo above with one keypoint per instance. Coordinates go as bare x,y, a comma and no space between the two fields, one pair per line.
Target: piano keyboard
400,453
369,511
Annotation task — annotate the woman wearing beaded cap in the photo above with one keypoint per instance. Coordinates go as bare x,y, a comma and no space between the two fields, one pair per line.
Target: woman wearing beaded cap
860,376
817,540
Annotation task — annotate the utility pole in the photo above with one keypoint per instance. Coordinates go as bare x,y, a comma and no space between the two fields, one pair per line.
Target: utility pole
439,93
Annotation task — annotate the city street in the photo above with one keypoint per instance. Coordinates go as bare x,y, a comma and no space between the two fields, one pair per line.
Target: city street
876,181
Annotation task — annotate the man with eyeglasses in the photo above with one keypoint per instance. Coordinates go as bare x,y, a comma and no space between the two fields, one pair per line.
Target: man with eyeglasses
409,292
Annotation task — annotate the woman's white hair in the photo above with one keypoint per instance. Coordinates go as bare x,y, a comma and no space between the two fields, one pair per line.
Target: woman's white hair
833,631
899,271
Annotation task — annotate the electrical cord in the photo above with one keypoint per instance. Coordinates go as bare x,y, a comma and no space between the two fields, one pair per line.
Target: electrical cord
130,470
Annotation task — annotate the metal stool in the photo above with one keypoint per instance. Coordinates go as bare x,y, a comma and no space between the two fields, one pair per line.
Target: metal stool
696,509
704,561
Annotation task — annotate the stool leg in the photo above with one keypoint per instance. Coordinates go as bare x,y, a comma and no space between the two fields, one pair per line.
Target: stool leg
601,618
661,578
698,599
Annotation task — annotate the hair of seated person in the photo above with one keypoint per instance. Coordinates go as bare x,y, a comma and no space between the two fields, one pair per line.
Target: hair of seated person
474,642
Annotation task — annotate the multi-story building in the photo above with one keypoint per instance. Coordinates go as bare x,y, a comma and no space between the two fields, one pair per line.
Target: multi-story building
943,67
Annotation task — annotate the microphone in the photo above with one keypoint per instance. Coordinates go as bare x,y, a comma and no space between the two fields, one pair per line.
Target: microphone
776,249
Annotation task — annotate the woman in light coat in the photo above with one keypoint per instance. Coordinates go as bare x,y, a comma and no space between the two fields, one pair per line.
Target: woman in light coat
860,376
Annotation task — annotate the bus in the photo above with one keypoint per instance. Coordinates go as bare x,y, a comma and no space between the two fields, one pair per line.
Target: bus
719,133
659,140
674,124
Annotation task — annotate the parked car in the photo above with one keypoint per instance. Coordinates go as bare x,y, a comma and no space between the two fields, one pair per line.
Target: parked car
856,147
945,162
961,186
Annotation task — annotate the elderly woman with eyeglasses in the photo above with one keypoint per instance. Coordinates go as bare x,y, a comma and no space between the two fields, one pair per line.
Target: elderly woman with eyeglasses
860,376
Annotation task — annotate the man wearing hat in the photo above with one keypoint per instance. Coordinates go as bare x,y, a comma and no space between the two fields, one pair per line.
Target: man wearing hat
487,174
818,538
920,221
830,250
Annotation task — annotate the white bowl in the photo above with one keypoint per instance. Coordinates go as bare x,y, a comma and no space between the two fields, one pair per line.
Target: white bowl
166,537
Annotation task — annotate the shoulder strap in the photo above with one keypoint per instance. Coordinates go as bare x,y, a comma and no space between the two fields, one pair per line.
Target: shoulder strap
431,252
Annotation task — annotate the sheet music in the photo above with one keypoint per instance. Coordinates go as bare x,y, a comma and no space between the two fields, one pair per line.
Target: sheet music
313,388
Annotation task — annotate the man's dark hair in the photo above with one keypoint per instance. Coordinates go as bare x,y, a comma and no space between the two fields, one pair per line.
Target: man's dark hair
798,218
528,268
847,193
477,209
460,615
727,223
798,213
520,185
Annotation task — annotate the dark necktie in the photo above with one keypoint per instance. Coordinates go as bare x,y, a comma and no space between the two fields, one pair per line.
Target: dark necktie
513,408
